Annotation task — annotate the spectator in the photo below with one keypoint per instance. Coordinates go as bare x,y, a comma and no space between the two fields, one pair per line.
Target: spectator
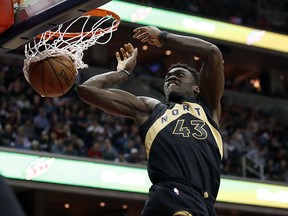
69,149
35,145
21,139
95,151
57,144
109,151
41,121
133,156
7,138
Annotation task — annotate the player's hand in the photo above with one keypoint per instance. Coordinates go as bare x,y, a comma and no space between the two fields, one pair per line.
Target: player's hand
148,34
127,57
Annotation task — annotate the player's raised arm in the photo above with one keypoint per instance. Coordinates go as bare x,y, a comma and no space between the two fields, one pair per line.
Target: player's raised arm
97,90
211,77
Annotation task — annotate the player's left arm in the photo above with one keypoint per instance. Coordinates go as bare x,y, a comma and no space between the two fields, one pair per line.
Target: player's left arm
211,77
211,80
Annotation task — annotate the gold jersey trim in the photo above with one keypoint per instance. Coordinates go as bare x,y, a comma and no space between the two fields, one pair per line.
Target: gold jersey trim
182,213
174,113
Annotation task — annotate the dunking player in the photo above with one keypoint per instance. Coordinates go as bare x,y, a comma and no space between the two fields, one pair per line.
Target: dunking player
182,139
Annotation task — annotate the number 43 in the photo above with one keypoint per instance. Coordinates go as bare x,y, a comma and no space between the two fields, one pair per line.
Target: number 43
198,133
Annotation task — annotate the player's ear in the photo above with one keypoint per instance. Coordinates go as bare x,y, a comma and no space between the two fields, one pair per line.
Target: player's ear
196,90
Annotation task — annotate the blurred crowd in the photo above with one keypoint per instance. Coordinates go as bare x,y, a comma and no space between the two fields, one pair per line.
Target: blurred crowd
67,126
62,125
254,134
263,14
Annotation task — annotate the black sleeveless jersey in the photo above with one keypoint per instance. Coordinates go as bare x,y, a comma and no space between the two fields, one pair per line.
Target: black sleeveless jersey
183,142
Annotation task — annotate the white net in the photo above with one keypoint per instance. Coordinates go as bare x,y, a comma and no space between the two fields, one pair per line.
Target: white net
52,44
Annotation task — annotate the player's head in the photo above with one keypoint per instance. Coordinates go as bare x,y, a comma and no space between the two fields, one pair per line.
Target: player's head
180,82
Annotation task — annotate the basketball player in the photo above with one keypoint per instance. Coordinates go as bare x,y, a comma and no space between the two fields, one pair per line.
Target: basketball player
182,139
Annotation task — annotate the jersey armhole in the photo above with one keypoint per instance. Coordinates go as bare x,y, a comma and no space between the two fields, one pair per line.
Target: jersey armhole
145,126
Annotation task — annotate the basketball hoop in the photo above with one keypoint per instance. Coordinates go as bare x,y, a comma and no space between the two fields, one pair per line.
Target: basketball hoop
64,41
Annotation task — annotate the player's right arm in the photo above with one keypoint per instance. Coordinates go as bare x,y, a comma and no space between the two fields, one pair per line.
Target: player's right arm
98,92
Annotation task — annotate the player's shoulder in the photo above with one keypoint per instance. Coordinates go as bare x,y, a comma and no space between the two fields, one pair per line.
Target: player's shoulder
215,113
149,102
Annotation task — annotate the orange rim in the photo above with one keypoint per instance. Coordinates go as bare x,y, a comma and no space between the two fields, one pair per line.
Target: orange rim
97,13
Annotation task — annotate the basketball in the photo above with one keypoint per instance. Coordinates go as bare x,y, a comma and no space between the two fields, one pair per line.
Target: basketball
52,77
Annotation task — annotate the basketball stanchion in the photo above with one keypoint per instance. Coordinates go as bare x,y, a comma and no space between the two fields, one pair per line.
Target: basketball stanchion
52,59
7,15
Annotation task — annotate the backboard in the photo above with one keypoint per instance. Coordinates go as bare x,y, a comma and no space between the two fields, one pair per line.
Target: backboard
39,16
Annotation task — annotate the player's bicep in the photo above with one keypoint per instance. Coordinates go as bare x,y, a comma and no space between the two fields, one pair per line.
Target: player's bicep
113,101
211,80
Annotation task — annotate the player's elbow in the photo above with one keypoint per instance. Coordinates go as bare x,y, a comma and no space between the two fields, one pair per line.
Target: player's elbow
215,52
213,55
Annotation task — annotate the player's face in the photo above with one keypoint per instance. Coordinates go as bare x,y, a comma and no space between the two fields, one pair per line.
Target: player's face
179,84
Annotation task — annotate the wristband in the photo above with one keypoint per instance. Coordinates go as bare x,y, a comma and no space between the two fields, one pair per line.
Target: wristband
125,71
163,36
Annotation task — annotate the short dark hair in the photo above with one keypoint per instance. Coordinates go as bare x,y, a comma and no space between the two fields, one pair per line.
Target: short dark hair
193,71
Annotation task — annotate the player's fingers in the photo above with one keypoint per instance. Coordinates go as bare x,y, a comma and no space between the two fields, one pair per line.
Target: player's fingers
123,52
117,54
141,28
140,35
135,53
136,35
145,39
129,48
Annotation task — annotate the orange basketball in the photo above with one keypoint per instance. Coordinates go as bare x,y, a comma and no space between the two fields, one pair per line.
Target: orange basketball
53,76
